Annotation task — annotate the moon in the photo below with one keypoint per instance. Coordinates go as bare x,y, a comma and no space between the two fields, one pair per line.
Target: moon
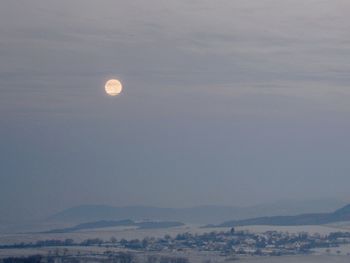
113,87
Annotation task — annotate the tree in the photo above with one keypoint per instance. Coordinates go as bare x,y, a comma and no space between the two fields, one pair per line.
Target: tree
113,240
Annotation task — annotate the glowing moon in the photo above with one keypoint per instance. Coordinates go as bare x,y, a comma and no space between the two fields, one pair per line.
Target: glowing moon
113,87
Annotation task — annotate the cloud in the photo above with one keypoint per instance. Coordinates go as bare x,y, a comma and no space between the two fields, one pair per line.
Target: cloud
219,92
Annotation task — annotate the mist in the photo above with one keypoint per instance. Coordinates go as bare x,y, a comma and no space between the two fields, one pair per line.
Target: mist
230,103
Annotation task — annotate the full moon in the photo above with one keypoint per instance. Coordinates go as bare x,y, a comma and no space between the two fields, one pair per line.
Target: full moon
113,87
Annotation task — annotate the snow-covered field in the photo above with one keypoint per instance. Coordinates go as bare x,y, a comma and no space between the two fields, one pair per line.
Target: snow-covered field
132,233
339,255
299,259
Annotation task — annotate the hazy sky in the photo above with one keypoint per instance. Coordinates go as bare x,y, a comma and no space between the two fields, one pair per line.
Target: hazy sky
228,102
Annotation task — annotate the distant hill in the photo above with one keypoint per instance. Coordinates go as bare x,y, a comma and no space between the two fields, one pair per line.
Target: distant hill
105,224
198,215
339,215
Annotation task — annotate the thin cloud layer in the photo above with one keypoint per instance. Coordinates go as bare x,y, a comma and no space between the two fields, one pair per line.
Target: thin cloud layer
233,102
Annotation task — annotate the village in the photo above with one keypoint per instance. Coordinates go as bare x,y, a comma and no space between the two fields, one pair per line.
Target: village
271,243
233,244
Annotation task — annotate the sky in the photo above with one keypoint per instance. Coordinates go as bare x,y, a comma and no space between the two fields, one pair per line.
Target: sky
227,102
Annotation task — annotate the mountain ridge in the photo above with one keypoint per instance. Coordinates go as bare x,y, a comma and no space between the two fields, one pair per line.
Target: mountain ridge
124,223
339,215
206,214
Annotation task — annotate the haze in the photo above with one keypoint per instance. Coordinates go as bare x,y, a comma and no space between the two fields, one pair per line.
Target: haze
224,103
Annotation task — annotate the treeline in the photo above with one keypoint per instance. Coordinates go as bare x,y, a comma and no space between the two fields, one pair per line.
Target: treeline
41,243
166,259
119,257
30,259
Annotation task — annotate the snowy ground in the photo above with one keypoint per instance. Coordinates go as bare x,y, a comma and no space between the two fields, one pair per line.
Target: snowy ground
321,255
